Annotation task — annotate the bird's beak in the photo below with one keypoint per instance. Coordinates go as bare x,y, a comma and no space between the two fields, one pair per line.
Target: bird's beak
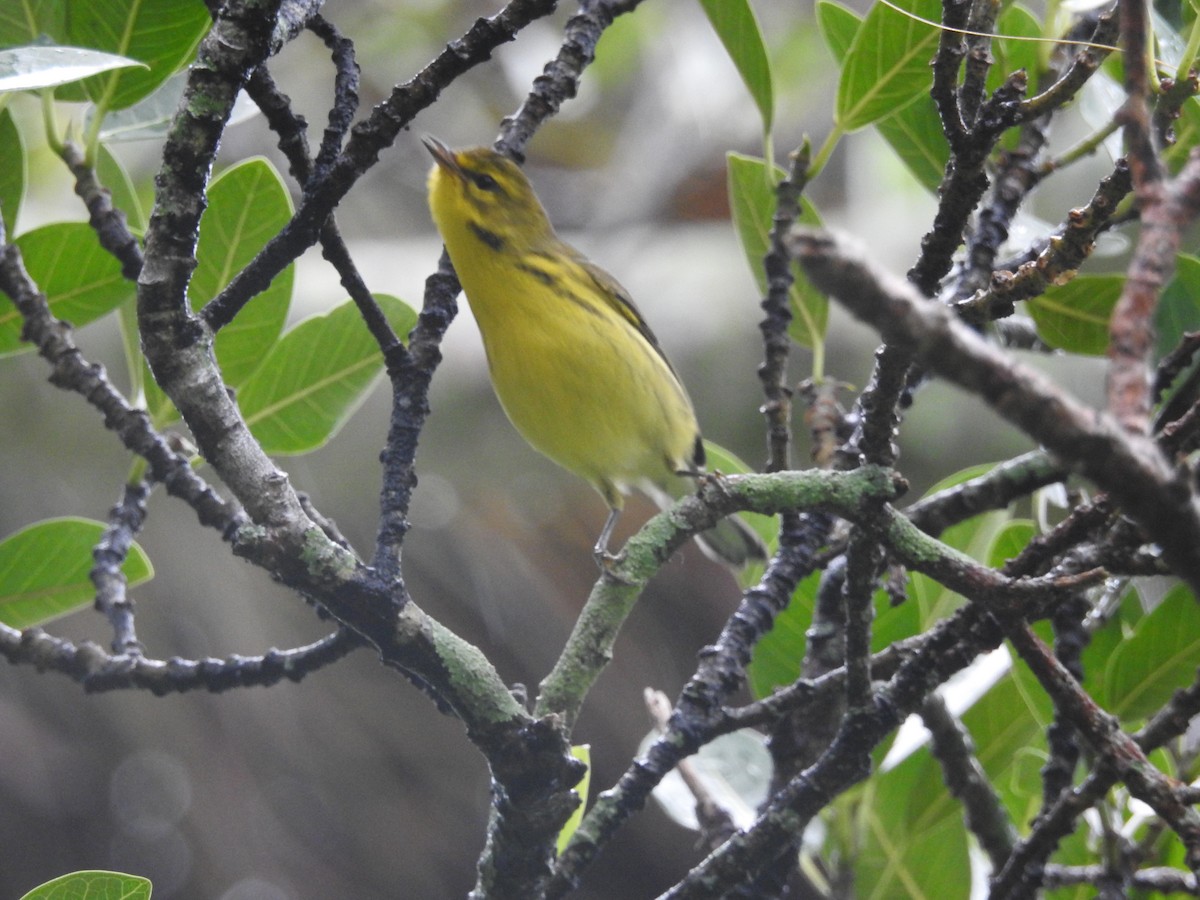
442,155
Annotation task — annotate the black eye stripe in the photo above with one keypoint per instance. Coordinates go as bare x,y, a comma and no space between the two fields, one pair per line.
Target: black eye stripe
486,182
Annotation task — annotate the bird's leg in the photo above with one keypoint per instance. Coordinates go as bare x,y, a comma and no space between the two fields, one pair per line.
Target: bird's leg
603,558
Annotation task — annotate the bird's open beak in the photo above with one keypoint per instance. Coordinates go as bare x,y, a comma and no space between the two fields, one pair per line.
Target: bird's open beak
442,154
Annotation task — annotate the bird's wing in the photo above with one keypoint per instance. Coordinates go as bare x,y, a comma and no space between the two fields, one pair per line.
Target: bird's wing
622,304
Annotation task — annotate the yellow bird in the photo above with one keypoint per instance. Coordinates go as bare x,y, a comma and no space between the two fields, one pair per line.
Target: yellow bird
576,368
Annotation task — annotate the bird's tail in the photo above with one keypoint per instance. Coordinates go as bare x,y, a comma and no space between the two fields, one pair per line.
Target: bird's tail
731,541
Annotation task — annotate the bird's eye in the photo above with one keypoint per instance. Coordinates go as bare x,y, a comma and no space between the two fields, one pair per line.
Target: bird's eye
486,183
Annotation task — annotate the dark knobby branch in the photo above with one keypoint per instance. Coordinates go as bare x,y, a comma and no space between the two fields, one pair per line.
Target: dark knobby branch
345,92
846,762
560,77
1063,254
777,309
1157,880
124,522
72,372
995,489
98,671
107,221
1021,873
953,748
1085,64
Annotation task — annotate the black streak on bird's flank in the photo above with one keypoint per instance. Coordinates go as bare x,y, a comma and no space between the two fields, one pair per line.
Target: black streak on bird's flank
490,238
540,274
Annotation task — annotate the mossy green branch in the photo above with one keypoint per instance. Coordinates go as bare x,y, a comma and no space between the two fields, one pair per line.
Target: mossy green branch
589,647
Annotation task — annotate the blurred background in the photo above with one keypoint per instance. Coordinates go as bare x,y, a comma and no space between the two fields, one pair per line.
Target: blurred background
351,783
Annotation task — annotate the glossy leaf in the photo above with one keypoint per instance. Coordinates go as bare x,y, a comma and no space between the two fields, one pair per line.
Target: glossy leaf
911,839
1074,316
887,64
1160,657
163,34
80,280
752,200
1011,53
44,570
35,68
14,174
93,885
315,376
915,133
838,25
1012,537
737,27
33,22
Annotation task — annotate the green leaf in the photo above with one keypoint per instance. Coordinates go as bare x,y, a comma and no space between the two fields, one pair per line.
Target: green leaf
1160,657
1012,538
1104,643
1074,316
583,753
81,281
247,206
887,65
33,21
35,68
752,199
14,174
93,885
44,570
315,376
838,24
1008,726
163,34
736,26
912,843
1011,53
915,133
1179,307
